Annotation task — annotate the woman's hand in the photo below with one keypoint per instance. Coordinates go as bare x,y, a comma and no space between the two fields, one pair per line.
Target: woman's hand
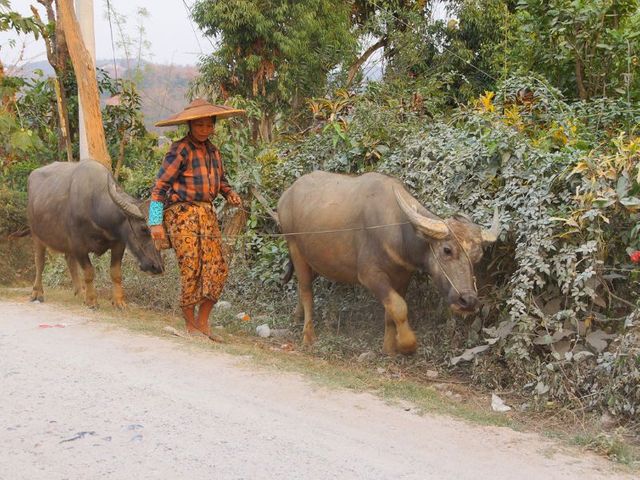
234,199
159,236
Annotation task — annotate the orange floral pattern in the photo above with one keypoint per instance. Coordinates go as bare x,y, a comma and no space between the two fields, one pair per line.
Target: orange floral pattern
195,236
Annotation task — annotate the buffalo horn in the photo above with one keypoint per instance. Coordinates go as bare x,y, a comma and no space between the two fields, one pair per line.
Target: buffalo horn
123,202
433,228
491,235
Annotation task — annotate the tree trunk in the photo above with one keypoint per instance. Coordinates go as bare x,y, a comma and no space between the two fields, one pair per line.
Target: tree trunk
582,91
87,84
234,224
353,70
266,128
64,143
57,55
120,161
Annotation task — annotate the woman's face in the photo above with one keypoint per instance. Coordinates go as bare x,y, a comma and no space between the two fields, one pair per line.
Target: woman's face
202,128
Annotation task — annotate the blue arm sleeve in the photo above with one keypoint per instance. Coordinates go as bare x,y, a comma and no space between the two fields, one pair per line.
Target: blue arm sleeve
155,213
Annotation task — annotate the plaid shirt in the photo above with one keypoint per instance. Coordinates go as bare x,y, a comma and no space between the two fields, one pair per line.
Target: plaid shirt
191,171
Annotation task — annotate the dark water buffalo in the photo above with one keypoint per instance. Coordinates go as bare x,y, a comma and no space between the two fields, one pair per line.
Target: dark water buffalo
370,230
77,209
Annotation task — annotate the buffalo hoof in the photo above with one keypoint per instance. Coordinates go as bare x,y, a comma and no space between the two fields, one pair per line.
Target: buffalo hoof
390,351
407,345
308,340
92,304
119,304
36,297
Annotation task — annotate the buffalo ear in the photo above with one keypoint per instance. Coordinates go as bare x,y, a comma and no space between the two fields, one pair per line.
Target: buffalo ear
429,227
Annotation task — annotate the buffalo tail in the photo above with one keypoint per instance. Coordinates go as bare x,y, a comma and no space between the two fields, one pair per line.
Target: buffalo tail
287,274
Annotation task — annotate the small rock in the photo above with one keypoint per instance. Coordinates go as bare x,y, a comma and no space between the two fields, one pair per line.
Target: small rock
432,374
172,331
380,370
263,330
366,357
498,405
223,305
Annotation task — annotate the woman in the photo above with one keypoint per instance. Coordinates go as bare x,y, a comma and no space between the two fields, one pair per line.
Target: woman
190,178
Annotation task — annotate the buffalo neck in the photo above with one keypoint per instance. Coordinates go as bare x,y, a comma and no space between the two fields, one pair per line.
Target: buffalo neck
414,247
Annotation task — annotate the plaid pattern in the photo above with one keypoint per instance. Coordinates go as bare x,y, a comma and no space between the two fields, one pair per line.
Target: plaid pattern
191,171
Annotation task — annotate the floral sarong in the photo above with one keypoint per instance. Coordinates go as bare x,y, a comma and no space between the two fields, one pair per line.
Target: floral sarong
195,236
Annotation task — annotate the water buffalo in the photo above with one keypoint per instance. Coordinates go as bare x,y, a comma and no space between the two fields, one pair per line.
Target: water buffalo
370,230
77,209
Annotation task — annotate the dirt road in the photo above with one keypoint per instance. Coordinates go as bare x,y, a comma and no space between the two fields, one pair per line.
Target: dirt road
92,401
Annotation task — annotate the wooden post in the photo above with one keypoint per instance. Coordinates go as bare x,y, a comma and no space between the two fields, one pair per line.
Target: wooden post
87,84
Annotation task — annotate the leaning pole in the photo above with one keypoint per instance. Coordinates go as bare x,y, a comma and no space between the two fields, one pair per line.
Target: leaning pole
85,70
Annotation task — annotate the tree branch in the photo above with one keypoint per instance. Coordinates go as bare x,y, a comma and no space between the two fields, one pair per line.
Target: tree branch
353,70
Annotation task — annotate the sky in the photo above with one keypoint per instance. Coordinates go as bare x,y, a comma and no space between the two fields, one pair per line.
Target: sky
168,29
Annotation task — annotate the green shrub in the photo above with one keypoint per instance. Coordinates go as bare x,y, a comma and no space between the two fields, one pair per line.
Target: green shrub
13,211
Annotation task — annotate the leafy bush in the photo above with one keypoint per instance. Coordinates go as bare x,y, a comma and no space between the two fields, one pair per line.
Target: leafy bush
13,211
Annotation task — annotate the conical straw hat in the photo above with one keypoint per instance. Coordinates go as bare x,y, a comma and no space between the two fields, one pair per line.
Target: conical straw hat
199,108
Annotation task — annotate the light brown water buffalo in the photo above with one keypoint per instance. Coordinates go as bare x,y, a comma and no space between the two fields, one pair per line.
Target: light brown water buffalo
370,230
77,208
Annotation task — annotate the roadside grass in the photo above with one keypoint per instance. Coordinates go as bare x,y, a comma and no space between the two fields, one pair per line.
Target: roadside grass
382,376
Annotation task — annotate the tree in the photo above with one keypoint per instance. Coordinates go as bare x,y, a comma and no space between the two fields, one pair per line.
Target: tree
586,48
87,84
274,53
393,25
15,138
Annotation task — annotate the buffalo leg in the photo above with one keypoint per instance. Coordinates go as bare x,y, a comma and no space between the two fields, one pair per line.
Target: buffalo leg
298,314
72,263
117,299
305,293
390,345
398,334
90,297
39,251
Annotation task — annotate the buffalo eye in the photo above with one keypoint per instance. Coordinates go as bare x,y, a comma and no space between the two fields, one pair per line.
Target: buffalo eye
447,251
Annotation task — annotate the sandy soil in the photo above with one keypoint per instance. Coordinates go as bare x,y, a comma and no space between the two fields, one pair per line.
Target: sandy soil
92,401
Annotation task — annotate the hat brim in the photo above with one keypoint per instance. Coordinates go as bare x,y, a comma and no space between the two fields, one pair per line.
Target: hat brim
206,111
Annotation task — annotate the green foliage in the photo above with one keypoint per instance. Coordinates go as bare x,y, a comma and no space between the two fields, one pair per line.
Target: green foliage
13,212
586,48
10,20
266,55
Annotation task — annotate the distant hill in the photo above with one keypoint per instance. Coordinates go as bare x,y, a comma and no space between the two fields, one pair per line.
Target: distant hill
163,88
